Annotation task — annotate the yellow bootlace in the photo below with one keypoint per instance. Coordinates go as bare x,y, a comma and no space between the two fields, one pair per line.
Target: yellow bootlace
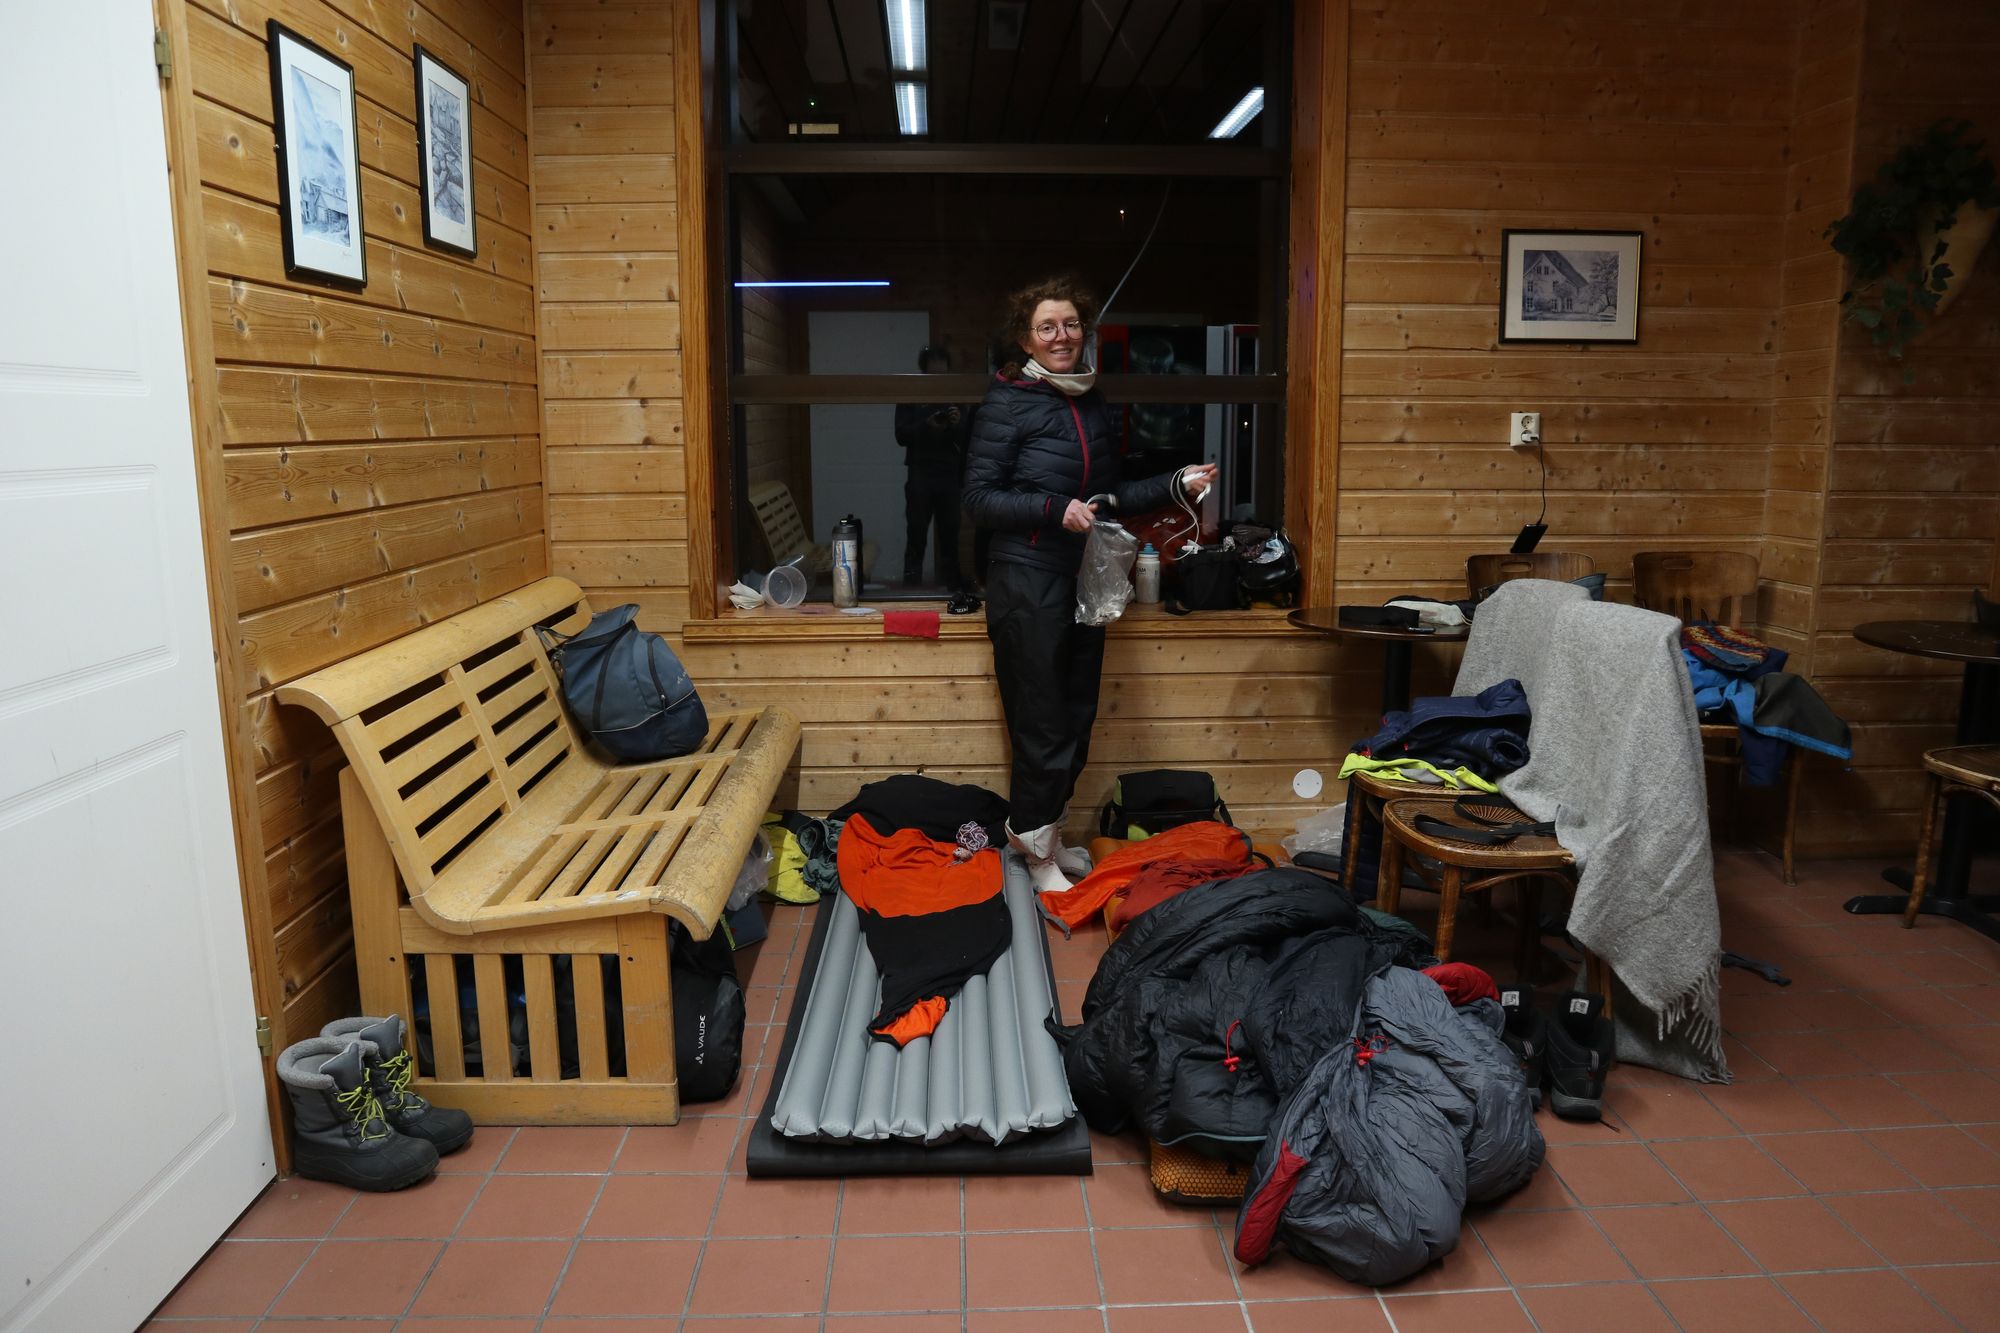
360,1104
400,1070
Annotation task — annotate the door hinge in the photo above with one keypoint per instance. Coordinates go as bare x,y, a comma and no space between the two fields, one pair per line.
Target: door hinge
263,1035
163,53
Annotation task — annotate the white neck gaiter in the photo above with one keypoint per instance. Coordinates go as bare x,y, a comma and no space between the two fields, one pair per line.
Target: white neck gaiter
1075,384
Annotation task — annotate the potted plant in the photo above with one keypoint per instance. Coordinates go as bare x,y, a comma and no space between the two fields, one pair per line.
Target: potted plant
1916,227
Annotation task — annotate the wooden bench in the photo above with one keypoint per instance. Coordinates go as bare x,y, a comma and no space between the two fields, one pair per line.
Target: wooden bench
479,825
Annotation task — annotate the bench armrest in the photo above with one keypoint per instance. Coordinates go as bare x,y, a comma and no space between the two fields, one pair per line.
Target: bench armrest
704,870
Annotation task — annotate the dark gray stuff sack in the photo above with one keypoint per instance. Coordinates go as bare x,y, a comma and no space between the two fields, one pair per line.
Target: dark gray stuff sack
627,690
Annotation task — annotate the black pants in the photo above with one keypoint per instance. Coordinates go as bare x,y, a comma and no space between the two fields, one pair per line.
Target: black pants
1048,668
931,497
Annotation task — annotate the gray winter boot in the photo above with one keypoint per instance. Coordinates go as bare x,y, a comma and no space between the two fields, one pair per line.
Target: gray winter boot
338,1132
390,1070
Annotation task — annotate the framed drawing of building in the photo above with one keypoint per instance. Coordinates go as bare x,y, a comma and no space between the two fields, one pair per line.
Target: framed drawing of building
1570,286
444,155
319,163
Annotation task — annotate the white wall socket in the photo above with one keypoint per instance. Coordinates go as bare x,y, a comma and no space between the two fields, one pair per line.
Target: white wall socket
1524,429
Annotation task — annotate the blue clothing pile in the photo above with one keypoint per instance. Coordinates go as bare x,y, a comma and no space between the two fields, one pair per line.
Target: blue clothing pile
1773,707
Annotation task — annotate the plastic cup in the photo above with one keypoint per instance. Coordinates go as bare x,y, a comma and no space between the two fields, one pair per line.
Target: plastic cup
785,587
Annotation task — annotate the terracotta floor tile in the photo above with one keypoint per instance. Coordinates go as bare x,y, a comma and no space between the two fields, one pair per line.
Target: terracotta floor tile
1116,1149
483,1324
1034,1321
237,1277
1354,1314
1732,1168
895,1273
766,1324
622,1326
430,1210
497,1277
1915,1227
627,1277
695,1144
1177,1264
1628,1307
777,1207
1731,1305
1540,1248
1769,1108
359,1277
654,1207
1811,1054
203,1326
1284,1277
761,1277
1614,1174
1793,1235
531,1207
562,1148
1674,1241
1218,1318
1015,1270
1940,1157
489,1143
1025,1203
1834,1162
1869,1102
1123,1196
295,1209
1865,1303
899,1205
1969,1293
1556,1130
1979,1206
890,1323
1456,1312
1544,1189
1661,1111
1963,1095
1467,1268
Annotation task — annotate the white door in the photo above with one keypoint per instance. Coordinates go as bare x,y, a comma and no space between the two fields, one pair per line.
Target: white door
133,1126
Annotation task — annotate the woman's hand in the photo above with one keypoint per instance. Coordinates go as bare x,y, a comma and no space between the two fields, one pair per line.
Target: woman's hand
1079,516
1196,480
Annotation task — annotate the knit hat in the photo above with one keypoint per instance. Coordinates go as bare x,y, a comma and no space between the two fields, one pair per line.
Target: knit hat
1724,648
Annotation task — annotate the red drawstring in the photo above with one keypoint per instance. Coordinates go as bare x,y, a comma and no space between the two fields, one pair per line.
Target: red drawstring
1367,1048
1229,1062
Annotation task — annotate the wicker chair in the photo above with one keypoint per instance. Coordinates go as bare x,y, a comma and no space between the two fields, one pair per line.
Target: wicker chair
1955,770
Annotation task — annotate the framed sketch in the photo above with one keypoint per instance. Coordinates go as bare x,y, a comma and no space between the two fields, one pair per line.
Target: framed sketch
1569,286
319,163
444,155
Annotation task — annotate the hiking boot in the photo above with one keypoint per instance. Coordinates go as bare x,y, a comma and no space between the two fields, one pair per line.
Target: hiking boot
1526,1035
338,1132
1579,1056
390,1071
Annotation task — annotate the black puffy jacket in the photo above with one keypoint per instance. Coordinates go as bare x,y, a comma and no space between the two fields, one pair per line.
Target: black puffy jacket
1033,450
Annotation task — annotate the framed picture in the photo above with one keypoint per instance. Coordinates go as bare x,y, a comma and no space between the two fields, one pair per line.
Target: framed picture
1569,286
444,155
319,165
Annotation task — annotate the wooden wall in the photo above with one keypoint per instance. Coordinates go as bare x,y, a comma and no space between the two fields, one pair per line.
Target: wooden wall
380,451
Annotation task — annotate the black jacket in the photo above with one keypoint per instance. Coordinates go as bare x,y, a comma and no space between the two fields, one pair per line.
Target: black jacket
1033,450
932,449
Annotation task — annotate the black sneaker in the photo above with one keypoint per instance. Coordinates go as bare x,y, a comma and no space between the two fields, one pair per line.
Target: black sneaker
1526,1035
1579,1056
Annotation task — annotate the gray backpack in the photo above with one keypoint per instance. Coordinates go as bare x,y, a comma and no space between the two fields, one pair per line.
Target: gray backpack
626,689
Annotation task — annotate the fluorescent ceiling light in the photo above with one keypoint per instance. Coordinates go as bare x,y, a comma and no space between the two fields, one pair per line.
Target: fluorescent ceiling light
834,282
1239,115
908,47
913,113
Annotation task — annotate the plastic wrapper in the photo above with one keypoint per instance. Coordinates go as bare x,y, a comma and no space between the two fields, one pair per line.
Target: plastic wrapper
1322,832
1104,584
756,872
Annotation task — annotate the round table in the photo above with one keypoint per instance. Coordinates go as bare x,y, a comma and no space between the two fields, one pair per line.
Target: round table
1395,642
1978,646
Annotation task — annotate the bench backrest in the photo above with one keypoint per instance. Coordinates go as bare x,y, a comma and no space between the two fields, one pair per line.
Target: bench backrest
450,728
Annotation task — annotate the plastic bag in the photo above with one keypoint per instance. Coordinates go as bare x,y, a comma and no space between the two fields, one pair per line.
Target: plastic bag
756,872
1318,833
1104,584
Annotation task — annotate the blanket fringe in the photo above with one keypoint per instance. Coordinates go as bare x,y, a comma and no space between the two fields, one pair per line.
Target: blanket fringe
1699,1008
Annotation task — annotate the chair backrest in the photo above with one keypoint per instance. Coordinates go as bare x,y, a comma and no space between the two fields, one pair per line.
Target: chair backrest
1484,573
778,516
1717,586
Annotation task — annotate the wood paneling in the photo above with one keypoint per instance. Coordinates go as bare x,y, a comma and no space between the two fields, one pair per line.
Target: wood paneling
381,453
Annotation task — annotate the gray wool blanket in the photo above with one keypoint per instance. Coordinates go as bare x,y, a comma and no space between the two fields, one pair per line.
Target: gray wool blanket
1616,764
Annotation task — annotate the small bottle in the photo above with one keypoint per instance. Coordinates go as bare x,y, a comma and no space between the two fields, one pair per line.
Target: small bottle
1146,575
847,573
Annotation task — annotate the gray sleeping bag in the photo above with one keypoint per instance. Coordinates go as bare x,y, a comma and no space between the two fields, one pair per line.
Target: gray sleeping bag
1373,1157
991,1071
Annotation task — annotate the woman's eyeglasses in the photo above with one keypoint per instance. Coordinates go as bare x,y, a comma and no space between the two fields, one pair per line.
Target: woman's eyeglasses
1047,331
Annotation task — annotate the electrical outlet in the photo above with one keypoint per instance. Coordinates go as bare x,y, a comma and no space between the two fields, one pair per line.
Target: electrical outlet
1524,430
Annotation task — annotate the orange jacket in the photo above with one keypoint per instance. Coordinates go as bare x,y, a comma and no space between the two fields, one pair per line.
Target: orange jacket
1203,841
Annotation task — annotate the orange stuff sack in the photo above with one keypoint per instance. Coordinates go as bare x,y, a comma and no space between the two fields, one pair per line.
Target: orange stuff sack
1206,840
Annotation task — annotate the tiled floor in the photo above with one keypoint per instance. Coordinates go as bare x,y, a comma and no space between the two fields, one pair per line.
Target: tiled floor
1849,1179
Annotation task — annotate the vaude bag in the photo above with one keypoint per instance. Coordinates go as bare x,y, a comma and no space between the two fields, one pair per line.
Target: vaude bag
626,688
1159,799
708,1014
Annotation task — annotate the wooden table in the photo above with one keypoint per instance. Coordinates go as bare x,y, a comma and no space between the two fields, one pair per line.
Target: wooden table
1395,642
1978,721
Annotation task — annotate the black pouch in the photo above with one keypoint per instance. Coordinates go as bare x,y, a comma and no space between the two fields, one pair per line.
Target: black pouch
1160,799
1207,580
709,1014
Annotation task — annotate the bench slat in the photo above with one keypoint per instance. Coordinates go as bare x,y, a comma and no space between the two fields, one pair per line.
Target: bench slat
482,677
451,830
445,788
385,731
419,758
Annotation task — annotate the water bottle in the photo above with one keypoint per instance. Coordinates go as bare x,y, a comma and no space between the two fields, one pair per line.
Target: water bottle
1146,575
847,571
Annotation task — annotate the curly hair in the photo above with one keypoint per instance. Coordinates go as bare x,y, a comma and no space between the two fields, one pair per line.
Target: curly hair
1019,311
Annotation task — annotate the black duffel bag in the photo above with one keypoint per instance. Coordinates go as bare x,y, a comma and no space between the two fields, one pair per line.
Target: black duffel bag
1159,799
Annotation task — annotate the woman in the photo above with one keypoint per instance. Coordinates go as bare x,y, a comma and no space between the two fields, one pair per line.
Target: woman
1041,445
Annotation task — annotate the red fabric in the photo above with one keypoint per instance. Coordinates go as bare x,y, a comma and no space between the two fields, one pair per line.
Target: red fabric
906,874
1206,840
911,624
1463,983
1160,881
1260,1220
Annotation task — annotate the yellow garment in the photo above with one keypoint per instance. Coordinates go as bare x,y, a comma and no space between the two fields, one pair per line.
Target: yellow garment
788,862
1405,769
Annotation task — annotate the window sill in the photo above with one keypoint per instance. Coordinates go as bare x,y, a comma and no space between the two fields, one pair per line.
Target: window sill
821,623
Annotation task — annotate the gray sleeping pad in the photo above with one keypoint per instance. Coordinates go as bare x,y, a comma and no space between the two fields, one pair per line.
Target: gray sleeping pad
990,1072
